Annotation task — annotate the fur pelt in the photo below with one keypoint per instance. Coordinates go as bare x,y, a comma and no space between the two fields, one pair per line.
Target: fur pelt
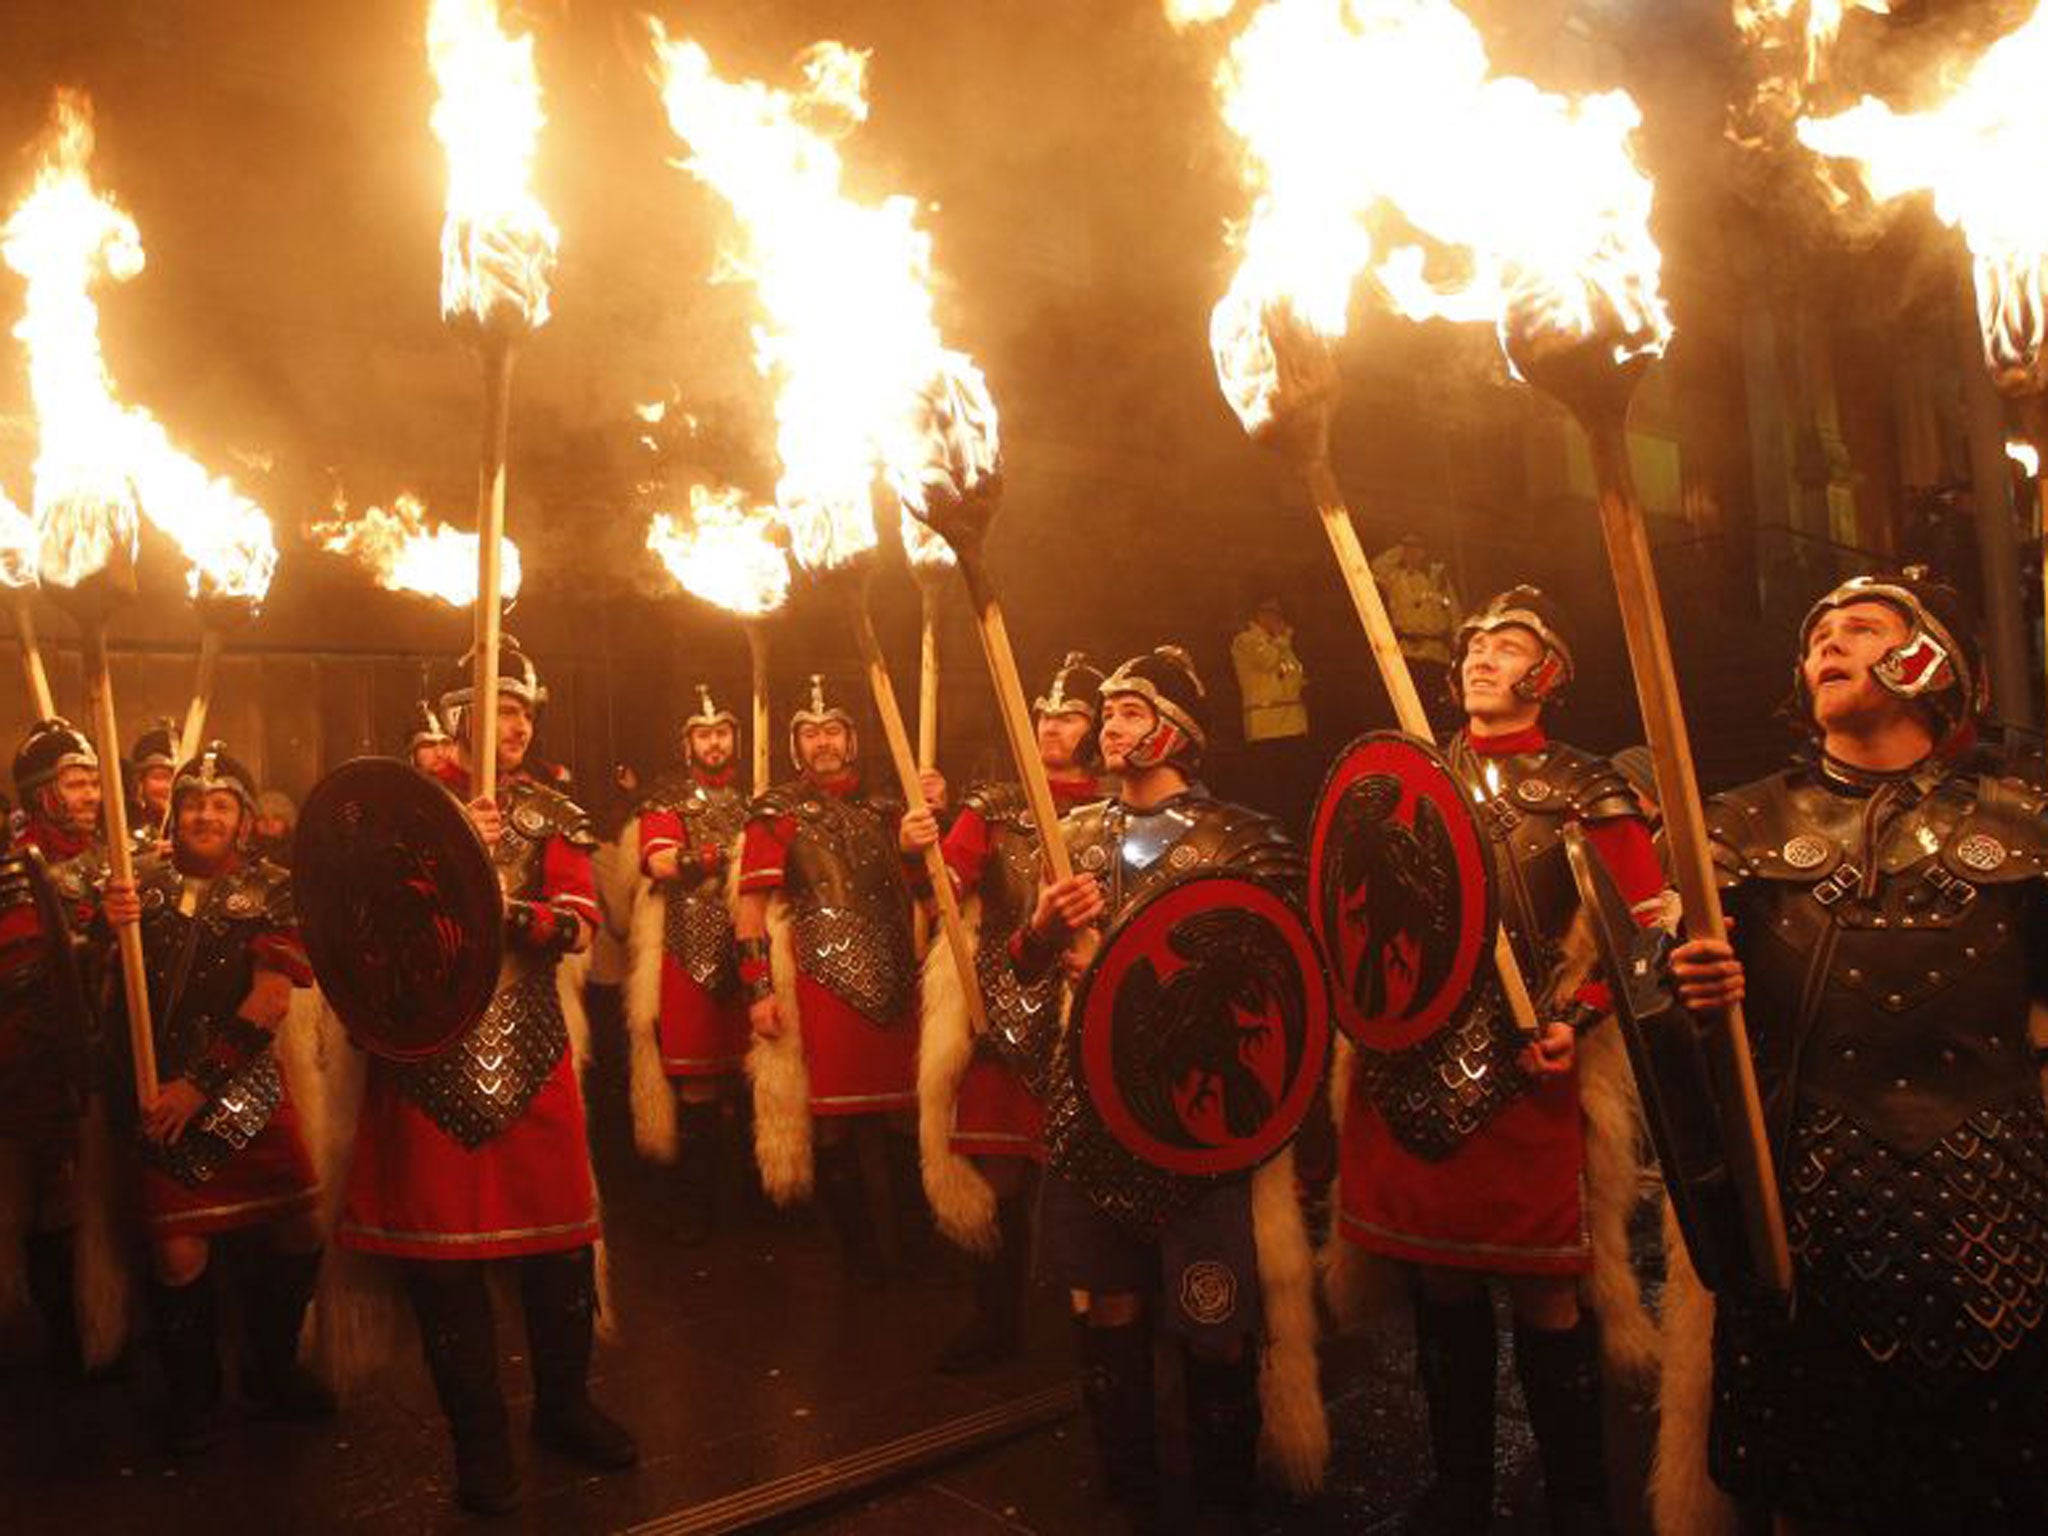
962,1202
1684,1500
615,867
1294,1437
1365,1290
653,1101
782,1084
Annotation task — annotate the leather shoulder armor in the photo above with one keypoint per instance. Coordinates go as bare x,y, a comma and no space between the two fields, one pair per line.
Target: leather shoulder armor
999,805
539,813
1593,788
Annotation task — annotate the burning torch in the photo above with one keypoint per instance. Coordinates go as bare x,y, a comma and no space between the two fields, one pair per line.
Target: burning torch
497,255
726,554
61,238
18,576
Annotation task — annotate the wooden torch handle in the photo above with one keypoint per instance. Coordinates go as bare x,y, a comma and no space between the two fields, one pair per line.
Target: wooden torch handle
490,528
913,794
1685,825
134,979
194,732
1398,680
757,656
32,658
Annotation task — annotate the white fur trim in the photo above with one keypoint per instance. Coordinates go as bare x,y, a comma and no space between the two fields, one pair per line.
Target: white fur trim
962,1202
782,1084
653,1101
1294,1437
1684,1499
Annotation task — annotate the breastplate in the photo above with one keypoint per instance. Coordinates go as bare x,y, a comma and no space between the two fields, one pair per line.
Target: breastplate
1524,810
697,929
850,906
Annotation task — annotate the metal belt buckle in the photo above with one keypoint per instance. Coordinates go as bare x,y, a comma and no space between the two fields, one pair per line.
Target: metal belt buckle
1831,890
1956,892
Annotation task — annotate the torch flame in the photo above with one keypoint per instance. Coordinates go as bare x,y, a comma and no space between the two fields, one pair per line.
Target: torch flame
96,458
17,545
865,389
1818,23
1377,139
407,550
497,242
726,553
1977,153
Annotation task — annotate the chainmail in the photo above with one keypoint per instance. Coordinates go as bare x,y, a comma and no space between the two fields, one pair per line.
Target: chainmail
867,965
697,931
482,1083
1436,1094
231,1120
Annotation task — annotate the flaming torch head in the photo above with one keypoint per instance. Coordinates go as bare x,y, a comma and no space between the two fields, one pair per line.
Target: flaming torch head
17,546
497,242
61,238
407,550
725,554
954,483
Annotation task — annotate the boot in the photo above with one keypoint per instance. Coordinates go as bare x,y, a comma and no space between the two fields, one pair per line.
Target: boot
560,1294
917,1255
845,1199
280,1286
52,1276
1116,1388
1223,1433
1454,1351
1560,1374
697,1161
189,1339
1000,1282
453,1304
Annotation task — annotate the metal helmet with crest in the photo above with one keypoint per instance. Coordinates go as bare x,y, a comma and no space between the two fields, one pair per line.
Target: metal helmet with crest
50,747
214,769
1936,666
427,729
709,712
820,707
517,678
1076,689
1523,607
156,747
1165,678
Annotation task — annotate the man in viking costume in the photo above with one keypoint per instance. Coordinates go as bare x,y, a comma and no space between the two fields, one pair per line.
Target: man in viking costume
1221,1263
684,1010
45,1029
479,1152
223,1153
151,765
980,1120
1468,1155
428,746
1889,931
826,956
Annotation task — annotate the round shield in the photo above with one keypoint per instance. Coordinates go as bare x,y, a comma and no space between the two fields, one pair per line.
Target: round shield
1203,1024
399,907
1400,890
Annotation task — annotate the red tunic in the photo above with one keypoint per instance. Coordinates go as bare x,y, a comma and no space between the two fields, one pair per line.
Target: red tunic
996,1115
700,1034
414,1192
1510,1199
855,1066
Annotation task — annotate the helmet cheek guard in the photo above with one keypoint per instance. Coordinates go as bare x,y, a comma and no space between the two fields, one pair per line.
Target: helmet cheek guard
1545,679
1162,744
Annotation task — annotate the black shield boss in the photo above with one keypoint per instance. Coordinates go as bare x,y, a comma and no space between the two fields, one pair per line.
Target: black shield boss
399,905
1400,891
1202,1025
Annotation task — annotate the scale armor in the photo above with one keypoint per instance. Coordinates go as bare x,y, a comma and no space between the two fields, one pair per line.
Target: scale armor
1023,1017
698,931
201,966
484,1081
1132,855
1891,964
44,1067
1437,1093
848,898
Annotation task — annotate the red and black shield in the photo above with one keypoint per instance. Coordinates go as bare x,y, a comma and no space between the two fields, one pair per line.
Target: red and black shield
1400,890
399,906
1203,1024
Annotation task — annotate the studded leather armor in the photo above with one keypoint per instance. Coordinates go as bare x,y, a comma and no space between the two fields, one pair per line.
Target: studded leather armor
197,945
698,929
849,900
1022,1015
45,1024
1132,853
1892,933
1436,1093
484,1081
